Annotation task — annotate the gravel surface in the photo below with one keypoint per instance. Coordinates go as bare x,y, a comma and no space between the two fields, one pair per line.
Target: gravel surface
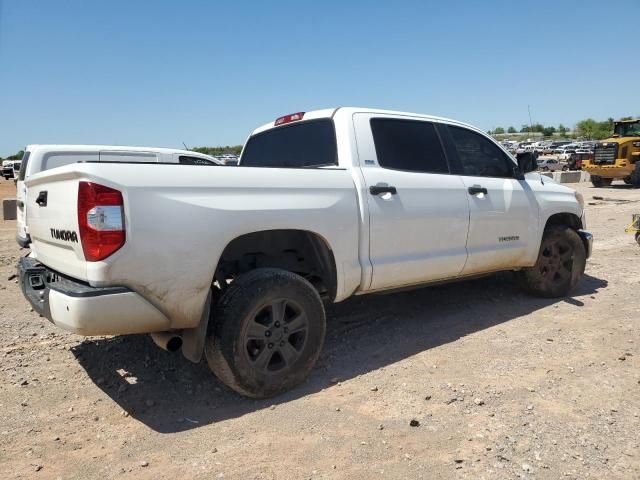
470,380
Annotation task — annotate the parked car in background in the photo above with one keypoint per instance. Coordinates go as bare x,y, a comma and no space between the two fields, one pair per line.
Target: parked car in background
551,164
16,169
559,143
564,153
7,169
44,157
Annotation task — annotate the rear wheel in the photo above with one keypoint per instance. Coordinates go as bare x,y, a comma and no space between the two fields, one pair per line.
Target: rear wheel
267,334
627,180
560,265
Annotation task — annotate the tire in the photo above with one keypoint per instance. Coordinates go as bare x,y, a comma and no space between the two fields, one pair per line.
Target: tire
565,168
545,169
560,264
253,351
599,182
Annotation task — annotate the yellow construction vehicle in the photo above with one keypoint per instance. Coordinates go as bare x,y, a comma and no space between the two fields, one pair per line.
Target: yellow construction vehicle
617,156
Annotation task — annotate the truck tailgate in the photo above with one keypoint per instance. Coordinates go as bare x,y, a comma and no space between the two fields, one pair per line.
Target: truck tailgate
53,222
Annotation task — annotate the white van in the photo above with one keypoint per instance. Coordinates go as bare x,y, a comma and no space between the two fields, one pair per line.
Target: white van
38,158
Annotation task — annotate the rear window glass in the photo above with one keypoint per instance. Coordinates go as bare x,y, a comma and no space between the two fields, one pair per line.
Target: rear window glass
307,144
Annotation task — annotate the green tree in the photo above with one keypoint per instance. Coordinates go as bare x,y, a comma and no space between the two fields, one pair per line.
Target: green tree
498,131
511,130
17,156
591,129
214,151
562,130
548,131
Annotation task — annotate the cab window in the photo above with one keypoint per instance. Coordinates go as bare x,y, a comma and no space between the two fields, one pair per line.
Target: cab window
408,145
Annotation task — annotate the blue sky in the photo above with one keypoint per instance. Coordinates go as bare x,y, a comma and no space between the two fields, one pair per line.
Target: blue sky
206,73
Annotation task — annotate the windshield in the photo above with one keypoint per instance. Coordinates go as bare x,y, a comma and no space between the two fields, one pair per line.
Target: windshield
298,145
628,129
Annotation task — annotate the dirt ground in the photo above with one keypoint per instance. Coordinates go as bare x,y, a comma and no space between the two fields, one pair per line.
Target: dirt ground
499,384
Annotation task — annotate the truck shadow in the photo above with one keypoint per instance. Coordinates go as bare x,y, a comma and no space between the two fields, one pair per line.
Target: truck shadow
169,394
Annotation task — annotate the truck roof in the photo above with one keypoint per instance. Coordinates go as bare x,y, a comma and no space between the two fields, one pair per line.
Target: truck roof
331,112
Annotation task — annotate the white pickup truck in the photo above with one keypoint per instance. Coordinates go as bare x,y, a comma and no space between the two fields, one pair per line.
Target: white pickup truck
236,262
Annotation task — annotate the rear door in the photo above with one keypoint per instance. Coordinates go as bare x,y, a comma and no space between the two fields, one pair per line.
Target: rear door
503,210
418,211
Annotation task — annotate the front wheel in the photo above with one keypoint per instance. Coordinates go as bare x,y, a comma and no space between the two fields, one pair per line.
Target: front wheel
560,265
565,168
267,334
599,182
635,176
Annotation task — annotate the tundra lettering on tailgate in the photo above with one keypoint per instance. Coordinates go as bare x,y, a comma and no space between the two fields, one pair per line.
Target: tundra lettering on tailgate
66,235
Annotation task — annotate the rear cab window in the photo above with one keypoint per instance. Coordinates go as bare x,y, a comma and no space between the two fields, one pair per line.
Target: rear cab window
307,144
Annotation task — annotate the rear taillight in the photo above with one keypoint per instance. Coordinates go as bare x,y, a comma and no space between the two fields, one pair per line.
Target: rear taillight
101,220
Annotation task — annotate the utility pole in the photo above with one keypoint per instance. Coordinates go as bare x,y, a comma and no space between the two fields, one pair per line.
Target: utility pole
530,122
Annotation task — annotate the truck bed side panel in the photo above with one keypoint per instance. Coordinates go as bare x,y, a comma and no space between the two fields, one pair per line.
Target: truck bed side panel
179,219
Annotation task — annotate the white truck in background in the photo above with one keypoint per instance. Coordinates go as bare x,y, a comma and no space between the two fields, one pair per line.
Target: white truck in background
236,262
38,158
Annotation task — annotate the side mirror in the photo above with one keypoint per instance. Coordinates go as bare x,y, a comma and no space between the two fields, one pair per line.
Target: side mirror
526,162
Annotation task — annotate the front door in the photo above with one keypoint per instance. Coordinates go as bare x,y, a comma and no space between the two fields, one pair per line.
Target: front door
503,210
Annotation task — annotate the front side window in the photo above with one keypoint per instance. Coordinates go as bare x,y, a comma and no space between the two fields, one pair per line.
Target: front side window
298,145
479,156
408,145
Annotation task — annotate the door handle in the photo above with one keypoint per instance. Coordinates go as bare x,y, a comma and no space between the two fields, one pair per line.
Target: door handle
378,189
475,189
42,199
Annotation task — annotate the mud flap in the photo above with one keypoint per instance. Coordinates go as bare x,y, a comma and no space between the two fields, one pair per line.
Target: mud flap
193,338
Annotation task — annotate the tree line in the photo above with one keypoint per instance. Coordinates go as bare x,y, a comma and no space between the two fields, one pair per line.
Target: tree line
587,128
216,151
